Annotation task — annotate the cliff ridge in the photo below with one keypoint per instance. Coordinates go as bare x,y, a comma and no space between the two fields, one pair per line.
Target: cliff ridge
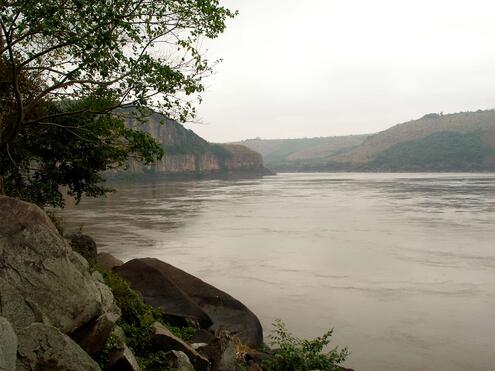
187,154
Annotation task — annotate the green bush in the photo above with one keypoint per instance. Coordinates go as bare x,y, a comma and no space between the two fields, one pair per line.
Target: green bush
154,362
294,354
136,321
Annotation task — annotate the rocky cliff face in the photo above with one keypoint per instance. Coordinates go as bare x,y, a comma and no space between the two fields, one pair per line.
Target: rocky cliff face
54,313
188,154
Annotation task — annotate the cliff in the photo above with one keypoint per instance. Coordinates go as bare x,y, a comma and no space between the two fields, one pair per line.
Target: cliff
187,154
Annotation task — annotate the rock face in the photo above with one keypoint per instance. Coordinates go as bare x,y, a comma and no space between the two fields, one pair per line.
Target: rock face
160,283
43,347
8,345
44,282
159,291
107,261
188,154
93,335
226,312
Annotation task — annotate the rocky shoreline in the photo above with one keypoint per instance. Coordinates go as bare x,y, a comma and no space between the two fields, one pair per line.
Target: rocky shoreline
63,306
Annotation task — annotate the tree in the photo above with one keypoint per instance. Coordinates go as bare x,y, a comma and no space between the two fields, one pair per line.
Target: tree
67,66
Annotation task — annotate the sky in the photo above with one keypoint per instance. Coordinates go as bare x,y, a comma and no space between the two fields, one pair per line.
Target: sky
314,68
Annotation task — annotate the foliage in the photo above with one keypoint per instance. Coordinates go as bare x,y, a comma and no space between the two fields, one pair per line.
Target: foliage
72,153
297,354
220,152
154,362
65,66
431,116
133,49
136,321
112,343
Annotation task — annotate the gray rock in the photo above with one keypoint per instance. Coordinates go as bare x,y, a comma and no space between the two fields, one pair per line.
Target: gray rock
159,291
107,261
84,245
228,359
179,361
42,279
163,339
98,276
93,335
8,345
43,347
226,312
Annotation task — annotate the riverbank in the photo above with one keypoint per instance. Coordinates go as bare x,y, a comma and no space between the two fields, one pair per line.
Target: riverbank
64,306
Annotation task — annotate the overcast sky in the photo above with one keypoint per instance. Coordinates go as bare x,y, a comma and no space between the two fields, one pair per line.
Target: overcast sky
311,68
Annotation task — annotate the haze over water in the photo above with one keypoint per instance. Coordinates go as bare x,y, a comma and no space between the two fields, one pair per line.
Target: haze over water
402,265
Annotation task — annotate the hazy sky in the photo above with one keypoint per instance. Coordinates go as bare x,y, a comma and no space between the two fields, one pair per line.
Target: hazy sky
311,68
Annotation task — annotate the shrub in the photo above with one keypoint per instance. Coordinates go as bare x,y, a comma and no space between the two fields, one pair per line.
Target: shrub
294,354
136,321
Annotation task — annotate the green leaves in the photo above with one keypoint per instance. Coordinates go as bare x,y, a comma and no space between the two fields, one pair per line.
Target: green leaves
73,152
136,320
135,44
65,66
294,354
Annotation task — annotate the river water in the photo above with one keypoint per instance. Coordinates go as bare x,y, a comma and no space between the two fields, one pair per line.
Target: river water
401,265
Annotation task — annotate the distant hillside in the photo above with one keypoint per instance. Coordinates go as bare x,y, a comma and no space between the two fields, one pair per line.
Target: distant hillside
283,154
452,142
187,154
465,122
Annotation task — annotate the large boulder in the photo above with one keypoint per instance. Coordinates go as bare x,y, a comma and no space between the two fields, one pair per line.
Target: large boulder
226,312
8,345
43,347
43,280
93,335
108,261
159,291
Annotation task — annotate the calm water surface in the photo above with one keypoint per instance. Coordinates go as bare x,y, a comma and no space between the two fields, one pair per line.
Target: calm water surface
402,265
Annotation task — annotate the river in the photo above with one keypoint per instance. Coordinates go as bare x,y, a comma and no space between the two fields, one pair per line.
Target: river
401,265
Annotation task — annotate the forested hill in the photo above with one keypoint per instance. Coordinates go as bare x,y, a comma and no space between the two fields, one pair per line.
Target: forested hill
453,142
186,153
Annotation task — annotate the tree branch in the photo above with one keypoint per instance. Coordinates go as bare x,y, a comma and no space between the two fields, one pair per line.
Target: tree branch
12,131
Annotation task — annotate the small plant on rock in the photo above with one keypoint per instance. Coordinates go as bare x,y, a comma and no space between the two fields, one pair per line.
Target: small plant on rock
136,321
294,354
